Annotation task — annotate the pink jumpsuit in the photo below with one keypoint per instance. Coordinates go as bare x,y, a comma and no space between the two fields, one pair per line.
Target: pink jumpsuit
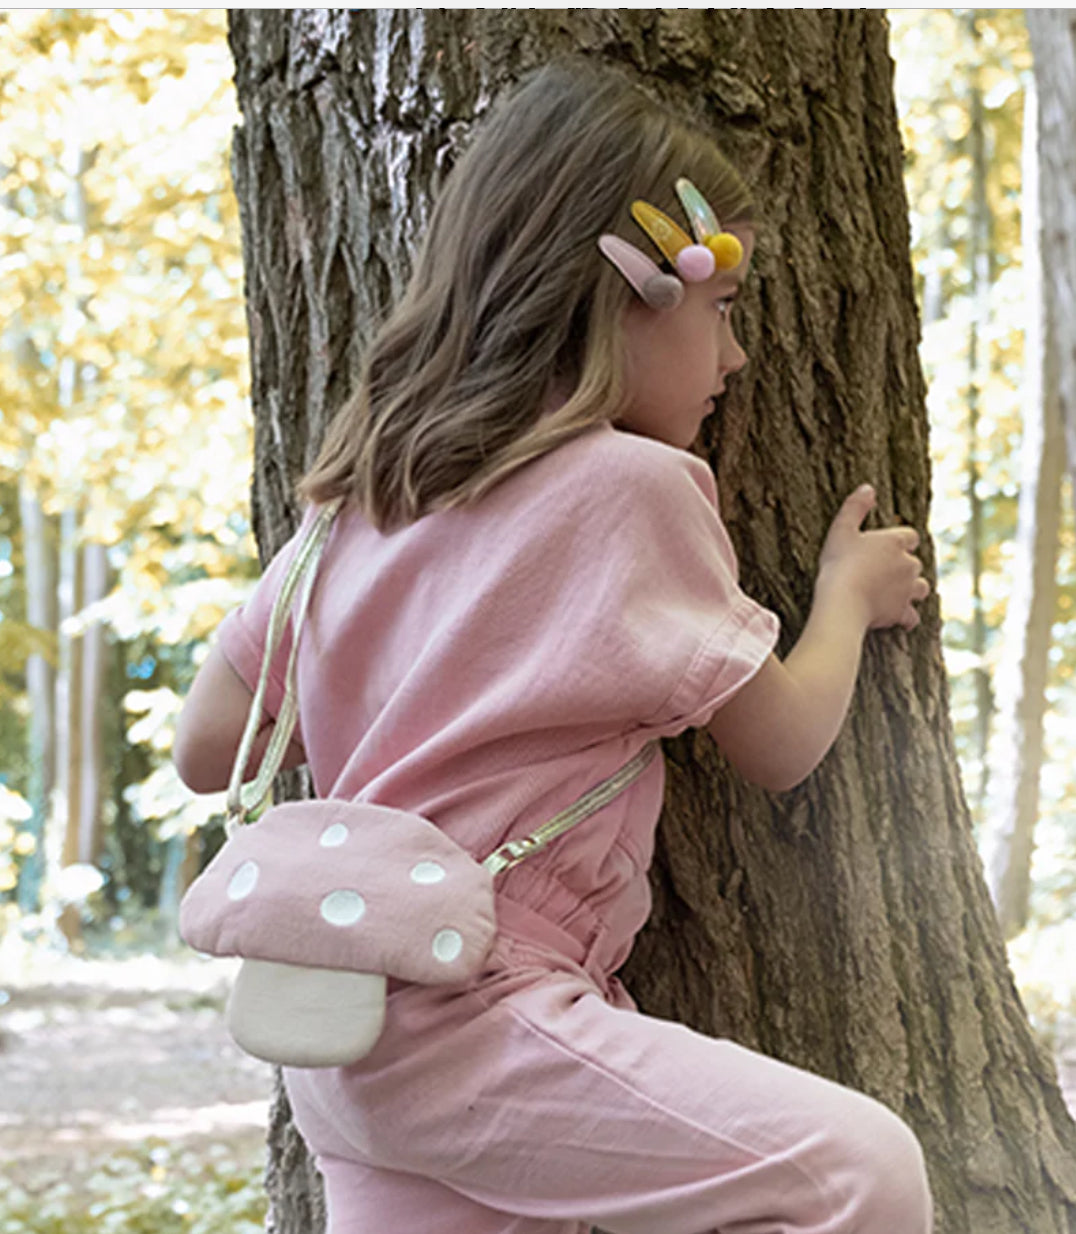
484,667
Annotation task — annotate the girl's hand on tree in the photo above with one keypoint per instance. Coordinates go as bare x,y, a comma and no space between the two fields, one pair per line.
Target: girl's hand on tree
877,570
779,725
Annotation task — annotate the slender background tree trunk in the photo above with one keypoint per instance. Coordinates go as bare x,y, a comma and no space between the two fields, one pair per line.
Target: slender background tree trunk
845,927
981,277
82,579
62,845
95,574
39,549
1025,646
1053,46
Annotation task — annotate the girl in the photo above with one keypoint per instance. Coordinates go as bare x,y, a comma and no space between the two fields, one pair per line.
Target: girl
528,582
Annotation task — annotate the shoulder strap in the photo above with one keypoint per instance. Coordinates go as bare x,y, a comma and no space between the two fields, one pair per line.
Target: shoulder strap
242,799
512,852
302,569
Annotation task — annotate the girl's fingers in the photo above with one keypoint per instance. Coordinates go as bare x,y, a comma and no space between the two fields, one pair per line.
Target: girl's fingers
911,618
904,538
856,507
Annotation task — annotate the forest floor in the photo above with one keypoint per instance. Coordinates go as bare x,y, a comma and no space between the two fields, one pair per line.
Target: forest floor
111,1058
106,1057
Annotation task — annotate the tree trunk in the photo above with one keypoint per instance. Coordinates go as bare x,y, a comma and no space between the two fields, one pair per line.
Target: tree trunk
95,575
1025,657
39,552
844,927
978,374
73,757
1053,46
63,845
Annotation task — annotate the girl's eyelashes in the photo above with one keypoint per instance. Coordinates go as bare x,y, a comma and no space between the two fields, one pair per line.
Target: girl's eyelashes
724,305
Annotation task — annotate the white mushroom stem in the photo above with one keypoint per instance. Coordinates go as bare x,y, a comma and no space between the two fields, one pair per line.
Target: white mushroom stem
305,1017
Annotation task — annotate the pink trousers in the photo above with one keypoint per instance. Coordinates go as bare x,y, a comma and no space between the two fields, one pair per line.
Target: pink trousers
536,1103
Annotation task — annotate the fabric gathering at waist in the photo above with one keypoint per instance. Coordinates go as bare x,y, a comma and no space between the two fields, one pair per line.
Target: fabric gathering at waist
517,921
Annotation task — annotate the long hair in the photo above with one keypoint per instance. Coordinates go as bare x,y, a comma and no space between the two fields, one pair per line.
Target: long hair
507,340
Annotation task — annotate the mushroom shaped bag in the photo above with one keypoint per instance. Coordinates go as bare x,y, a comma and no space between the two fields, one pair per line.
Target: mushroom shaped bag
326,899
323,900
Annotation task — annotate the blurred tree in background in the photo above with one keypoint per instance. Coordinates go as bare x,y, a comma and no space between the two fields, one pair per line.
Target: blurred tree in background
125,441
125,435
960,85
965,90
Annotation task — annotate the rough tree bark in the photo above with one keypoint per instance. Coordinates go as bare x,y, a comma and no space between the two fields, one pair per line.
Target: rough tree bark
1025,656
845,927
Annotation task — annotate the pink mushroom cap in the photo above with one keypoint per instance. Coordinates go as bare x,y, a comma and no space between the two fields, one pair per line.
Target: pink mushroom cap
345,885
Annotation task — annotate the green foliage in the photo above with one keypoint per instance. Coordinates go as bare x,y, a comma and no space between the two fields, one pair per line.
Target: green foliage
954,64
123,364
949,63
156,1188
943,57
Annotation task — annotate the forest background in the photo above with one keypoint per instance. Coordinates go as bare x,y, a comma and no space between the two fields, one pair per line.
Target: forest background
126,453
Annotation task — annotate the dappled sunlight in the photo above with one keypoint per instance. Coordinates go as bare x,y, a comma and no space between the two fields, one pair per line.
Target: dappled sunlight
105,1063
92,1127
961,84
126,429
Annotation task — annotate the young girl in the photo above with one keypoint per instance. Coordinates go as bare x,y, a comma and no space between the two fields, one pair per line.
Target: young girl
529,581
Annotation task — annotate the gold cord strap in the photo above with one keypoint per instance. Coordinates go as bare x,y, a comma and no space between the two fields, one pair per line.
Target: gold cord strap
512,852
244,798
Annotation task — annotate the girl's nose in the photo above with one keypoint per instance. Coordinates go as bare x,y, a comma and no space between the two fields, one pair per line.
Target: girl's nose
733,357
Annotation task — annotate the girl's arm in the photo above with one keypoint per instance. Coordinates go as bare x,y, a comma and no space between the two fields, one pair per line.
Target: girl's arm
211,725
781,724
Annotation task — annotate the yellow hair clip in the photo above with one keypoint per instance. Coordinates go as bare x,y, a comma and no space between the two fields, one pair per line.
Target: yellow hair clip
669,238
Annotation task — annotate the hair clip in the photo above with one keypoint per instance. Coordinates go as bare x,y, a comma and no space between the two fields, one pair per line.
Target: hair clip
725,247
658,290
694,261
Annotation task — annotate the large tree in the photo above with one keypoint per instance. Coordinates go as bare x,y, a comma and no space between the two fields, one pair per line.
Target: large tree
846,926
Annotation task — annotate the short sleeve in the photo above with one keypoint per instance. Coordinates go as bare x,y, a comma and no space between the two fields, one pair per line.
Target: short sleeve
241,636
687,637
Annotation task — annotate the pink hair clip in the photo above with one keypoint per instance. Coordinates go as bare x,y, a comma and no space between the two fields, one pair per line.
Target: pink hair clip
660,291
694,261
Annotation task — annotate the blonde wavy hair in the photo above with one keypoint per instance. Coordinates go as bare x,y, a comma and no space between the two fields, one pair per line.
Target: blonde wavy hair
507,341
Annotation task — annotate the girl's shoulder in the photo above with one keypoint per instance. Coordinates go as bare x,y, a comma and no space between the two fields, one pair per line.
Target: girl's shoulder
611,463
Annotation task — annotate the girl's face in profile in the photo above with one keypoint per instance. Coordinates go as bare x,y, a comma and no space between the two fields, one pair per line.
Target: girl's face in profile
678,360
